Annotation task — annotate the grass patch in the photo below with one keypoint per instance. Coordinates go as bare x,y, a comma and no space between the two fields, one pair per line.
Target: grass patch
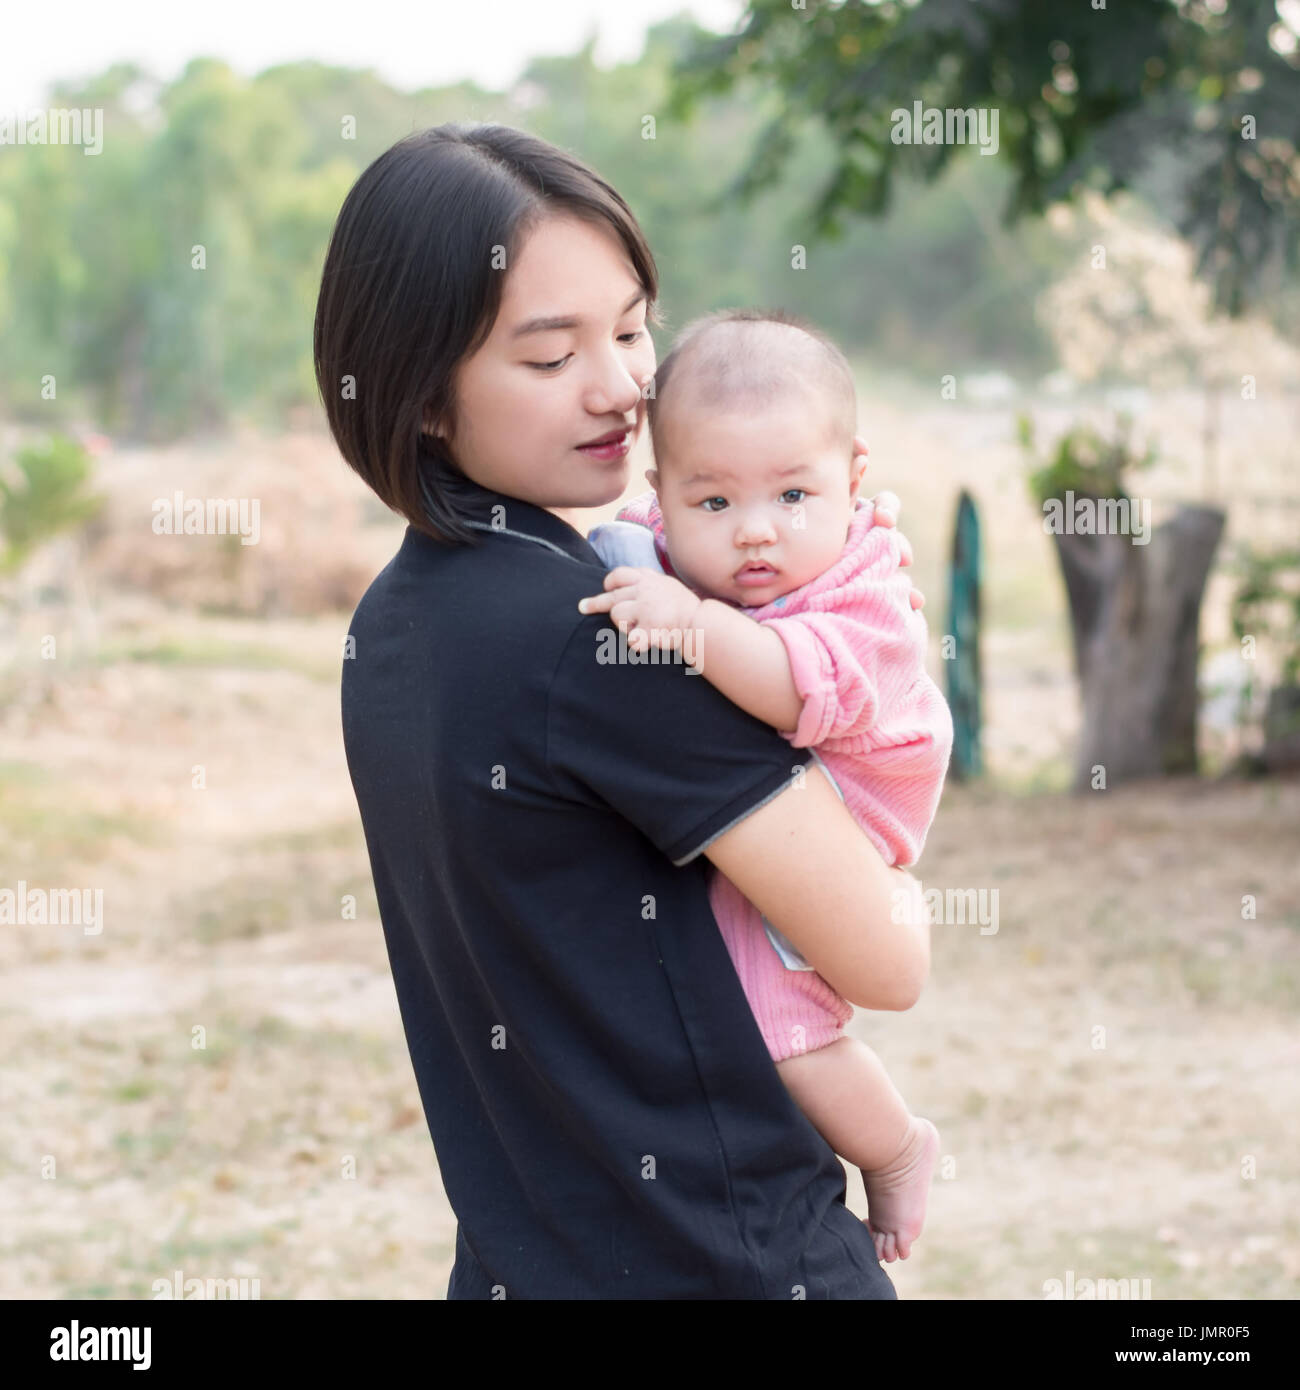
15,774
252,908
1051,778
174,1252
140,1089
216,651
140,1152
59,832
1241,982
236,1035
1112,1253
346,834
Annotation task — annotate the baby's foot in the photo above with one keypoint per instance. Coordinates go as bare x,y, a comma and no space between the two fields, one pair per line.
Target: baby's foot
896,1195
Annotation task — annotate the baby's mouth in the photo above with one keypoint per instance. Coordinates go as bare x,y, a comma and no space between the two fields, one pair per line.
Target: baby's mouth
755,572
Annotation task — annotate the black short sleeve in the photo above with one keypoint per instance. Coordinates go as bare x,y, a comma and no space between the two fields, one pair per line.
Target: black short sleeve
657,743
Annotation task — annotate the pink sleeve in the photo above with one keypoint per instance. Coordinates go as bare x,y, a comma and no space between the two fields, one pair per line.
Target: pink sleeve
642,510
855,663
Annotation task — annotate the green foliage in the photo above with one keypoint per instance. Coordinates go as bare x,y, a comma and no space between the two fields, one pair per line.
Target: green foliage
41,495
1085,98
1083,461
151,346
101,286
1266,603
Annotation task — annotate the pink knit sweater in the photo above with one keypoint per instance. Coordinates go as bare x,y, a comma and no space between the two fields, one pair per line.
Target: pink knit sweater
879,724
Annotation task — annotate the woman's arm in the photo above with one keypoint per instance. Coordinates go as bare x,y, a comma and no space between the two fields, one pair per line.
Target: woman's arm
801,859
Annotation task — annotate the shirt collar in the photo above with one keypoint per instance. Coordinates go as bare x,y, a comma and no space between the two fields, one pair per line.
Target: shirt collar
495,513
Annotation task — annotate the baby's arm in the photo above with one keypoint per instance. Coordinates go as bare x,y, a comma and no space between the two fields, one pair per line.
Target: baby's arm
832,671
748,663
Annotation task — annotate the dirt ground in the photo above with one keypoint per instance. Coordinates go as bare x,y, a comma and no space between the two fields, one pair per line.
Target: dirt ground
217,1082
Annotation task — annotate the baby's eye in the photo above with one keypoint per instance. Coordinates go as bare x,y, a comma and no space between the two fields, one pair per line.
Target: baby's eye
707,500
801,491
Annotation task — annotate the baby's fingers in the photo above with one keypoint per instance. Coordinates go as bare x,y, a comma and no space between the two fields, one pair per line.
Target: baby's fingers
887,508
597,603
618,582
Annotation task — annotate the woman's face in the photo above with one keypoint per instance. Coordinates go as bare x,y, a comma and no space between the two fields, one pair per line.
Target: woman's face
533,393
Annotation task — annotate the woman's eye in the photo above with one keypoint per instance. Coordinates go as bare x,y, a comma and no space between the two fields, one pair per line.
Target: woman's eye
801,491
559,362
707,500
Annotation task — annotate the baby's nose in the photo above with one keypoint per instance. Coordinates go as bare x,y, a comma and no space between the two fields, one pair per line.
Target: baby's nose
755,529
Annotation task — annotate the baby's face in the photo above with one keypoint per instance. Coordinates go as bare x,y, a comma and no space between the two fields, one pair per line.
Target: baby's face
768,487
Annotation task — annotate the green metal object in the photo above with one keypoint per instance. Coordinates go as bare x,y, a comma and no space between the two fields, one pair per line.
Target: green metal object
962,645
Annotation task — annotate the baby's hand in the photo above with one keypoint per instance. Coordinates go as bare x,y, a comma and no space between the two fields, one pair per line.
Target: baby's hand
648,608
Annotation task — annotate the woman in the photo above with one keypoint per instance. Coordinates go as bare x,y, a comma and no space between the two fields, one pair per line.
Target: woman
539,813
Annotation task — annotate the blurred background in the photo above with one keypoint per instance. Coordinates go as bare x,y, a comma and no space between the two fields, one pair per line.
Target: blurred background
1101,305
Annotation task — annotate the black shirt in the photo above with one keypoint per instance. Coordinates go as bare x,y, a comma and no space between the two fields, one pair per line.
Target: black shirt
606,1118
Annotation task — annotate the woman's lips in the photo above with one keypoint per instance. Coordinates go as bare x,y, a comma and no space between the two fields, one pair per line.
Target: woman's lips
614,449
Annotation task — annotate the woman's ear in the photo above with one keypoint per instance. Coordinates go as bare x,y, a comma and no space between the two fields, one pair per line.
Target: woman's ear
432,426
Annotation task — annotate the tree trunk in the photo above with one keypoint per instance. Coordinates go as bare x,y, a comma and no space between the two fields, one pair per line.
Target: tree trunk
1134,612
1281,751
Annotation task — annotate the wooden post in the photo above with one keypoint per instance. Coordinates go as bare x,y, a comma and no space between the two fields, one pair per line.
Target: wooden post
962,667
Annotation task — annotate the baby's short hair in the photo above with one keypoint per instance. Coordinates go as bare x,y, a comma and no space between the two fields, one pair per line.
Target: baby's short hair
746,359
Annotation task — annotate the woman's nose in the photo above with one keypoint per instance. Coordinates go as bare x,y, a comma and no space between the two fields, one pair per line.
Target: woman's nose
616,391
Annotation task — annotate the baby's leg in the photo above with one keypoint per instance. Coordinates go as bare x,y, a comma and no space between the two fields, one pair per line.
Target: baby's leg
845,1091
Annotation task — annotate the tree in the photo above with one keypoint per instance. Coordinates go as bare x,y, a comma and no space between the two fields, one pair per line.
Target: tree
1135,597
42,494
1085,95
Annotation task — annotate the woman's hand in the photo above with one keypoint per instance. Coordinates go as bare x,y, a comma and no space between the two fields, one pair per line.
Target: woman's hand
648,608
887,507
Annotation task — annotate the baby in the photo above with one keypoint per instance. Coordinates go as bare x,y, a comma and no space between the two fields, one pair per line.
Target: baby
755,557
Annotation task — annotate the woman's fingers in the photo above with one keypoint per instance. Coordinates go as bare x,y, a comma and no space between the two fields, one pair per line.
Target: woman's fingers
918,599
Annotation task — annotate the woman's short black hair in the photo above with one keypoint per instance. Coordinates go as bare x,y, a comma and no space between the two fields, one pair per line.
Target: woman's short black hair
410,287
